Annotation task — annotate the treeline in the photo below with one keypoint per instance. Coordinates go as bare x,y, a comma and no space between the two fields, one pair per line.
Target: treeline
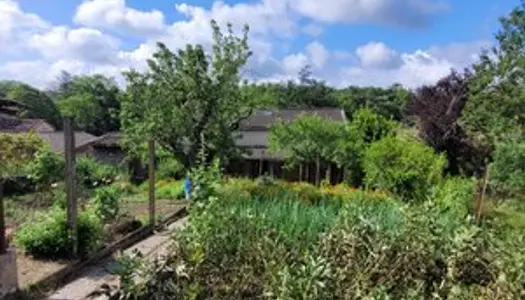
187,101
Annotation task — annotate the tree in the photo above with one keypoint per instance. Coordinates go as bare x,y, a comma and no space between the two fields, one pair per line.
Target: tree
364,128
92,100
496,106
35,103
308,139
189,100
308,93
438,109
388,102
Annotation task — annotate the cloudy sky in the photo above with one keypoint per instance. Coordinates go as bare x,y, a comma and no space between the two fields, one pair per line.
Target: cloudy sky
360,42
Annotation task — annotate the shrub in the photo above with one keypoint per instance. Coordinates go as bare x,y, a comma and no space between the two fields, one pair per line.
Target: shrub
169,189
278,248
90,173
169,168
403,166
106,203
47,168
508,168
455,194
49,238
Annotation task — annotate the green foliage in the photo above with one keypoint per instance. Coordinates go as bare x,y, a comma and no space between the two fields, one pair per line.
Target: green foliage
245,248
307,139
205,180
508,168
169,168
16,150
365,128
403,166
169,189
203,94
49,237
106,203
46,168
92,100
497,103
36,104
91,173
456,194
389,103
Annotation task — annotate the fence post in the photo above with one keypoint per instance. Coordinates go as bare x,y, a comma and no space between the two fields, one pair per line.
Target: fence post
151,169
479,204
69,151
3,239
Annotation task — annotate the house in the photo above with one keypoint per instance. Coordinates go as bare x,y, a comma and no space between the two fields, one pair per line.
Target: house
258,160
55,139
253,139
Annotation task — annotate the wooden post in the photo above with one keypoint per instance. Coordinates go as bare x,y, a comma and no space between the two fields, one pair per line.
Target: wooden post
261,161
151,148
479,204
317,171
300,172
3,239
69,151
271,167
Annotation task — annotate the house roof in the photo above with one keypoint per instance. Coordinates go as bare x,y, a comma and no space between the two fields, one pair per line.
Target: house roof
57,142
263,119
12,124
111,139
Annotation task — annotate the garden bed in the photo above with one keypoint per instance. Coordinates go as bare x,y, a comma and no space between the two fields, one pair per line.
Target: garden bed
25,209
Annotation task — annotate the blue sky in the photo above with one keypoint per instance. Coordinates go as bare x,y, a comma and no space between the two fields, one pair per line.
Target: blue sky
374,42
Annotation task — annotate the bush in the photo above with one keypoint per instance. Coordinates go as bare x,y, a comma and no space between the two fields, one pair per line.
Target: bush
169,189
275,248
47,168
404,167
456,194
106,203
49,238
169,168
90,173
508,169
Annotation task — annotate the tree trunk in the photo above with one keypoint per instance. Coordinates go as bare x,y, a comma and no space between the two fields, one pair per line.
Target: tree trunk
308,172
300,172
329,173
317,171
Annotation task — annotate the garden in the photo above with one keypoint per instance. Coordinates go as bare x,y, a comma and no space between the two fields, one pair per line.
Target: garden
110,207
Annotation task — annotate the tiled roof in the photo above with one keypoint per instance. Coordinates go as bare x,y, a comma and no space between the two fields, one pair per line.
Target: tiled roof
57,142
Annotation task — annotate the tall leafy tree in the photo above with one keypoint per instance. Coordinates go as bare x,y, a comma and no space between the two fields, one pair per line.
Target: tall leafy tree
306,140
388,102
35,104
496,107
93,101
438,109
189,100
307,93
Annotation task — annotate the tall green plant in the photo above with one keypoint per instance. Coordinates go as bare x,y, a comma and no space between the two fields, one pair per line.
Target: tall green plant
203,95
404,166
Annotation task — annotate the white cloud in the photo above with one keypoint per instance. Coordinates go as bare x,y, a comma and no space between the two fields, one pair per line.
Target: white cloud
318,54
15,27
27,42
293,63
405,13
314,30
84,44
377,55
114,14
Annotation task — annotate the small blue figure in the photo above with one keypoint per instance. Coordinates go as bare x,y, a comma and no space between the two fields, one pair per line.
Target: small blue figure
187,187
